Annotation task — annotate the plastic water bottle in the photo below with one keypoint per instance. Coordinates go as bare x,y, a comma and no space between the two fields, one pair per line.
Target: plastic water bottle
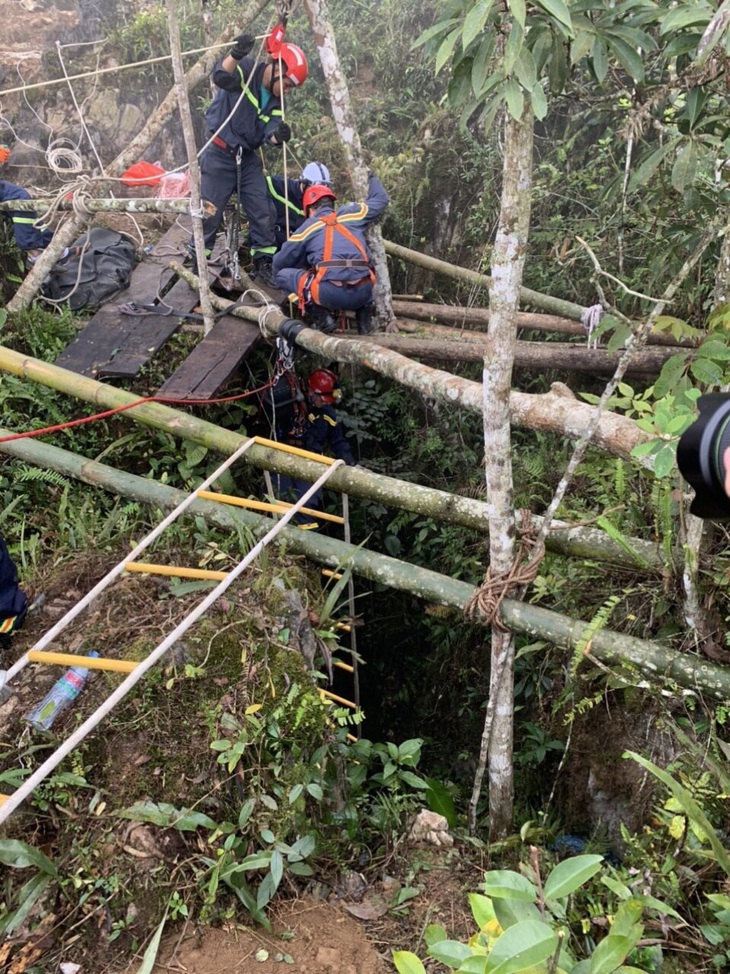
60,697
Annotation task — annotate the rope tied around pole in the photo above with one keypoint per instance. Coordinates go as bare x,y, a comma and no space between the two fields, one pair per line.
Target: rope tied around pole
485,603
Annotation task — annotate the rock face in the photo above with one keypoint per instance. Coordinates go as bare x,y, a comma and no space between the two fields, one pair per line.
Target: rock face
112,107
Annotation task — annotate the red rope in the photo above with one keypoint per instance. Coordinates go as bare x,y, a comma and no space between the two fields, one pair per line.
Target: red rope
131,405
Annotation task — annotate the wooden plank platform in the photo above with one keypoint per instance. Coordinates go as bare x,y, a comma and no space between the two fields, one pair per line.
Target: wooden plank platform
115,344
213,360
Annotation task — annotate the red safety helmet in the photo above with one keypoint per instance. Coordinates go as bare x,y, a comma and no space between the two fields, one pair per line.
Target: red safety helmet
313,194
323,383
294,62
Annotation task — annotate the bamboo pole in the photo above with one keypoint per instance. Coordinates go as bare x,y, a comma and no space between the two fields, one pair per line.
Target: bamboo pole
653,659
557,411
557,306
441,505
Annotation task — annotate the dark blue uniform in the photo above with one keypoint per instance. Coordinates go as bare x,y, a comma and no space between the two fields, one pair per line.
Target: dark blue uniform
283,203
345,287
27,235
13,601
254,121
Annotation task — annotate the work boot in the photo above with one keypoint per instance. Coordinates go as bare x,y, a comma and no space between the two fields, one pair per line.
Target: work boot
263,270
321,319
364,319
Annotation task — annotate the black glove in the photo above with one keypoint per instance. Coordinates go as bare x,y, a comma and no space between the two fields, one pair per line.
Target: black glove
242,45
282,133
289,329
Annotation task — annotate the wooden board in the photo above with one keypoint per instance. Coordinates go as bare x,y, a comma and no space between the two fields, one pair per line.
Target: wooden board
115,344
213,360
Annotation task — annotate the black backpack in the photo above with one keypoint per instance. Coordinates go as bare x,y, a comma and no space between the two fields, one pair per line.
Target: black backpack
13,601
285,406
102,266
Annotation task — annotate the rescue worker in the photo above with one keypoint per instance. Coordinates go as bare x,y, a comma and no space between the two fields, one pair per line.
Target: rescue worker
30,238
286,196
13,601
246,112
323,432
326,263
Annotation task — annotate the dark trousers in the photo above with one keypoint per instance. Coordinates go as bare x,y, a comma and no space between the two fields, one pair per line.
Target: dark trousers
346,298
219,181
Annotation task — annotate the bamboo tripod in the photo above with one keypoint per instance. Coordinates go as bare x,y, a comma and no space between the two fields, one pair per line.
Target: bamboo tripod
135,671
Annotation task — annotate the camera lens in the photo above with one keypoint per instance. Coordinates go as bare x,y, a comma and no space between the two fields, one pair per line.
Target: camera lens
700,456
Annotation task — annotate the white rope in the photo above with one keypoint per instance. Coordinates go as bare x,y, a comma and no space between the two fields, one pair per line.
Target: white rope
119,568
64,158
264,314
590,319
41,773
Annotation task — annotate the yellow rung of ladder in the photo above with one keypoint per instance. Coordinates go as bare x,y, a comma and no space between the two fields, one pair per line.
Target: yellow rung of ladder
149,569
333,696
344,626
280,507
330,574
3,799
321,515
285,448
90,662
343,666
350,737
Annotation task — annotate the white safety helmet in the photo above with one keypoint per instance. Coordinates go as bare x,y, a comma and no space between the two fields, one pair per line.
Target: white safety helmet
316,173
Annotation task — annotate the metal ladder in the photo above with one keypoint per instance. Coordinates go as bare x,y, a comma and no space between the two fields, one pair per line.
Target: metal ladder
135,671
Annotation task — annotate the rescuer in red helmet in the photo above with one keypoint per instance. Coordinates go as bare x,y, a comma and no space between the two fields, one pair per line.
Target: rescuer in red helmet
323,432
246,112
326,263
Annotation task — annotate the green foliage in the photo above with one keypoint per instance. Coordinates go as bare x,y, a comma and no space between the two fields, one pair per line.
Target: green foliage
523,924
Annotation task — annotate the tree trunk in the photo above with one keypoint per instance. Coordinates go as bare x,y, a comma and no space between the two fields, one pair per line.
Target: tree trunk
508,261
526,320
344,117
67,232
652,659
580,542
190,147
438,345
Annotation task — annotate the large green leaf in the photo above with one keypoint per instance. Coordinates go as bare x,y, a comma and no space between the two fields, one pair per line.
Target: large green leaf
482,909
558,10
508,884
571,874
449,952
435,31
627,55
685,167
539,101
482,63
519,11
446,49
407,963
610,954
651,163
474,21
440,800
510,912
27,897
515,99
20,855
512,48
684,15
716,29
599,55
522,946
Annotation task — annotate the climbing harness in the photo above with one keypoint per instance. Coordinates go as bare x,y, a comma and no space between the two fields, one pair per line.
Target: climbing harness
309,284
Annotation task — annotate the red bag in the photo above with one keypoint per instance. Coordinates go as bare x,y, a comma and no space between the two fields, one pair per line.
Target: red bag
143,174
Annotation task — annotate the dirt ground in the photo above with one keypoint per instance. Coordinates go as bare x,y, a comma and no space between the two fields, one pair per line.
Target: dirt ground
309,937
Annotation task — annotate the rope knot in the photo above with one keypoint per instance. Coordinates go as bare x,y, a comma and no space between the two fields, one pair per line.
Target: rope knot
484,605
